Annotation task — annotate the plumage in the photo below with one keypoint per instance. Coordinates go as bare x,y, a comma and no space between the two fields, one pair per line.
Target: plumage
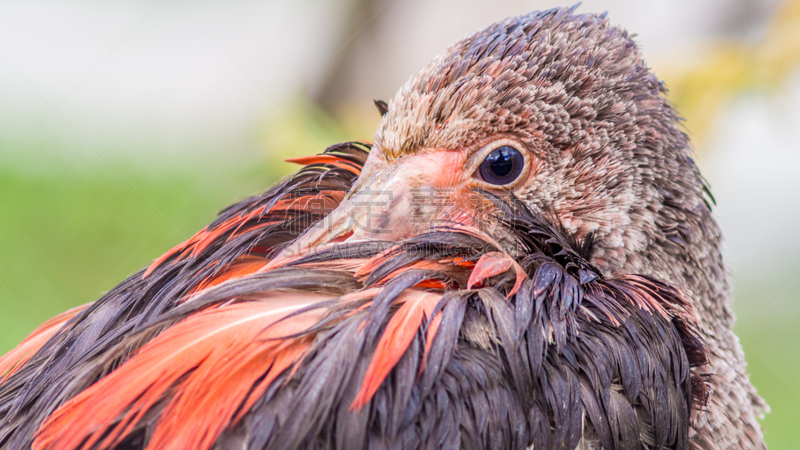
15,359
582,306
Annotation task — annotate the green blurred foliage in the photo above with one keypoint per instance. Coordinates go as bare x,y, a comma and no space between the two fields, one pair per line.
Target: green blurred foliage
730,67
768,314
68,236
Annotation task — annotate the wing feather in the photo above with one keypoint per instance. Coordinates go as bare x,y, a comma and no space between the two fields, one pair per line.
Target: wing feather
233,337
13,360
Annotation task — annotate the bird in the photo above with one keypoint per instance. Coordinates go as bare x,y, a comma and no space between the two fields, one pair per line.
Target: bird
524,257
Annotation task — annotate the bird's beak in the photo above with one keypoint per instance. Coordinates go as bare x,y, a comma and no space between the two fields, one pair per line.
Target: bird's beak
398,198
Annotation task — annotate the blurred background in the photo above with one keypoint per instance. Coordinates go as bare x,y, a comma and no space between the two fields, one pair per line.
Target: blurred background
125,127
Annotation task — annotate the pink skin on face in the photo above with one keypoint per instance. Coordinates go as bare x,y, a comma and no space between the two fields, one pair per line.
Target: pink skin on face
394,199
397,198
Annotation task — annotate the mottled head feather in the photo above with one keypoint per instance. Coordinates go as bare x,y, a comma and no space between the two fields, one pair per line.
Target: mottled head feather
546,78
576,92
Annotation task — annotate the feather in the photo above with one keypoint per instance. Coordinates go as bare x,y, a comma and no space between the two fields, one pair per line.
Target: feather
13,360
245,265
107,411
492,264
400,330
326,159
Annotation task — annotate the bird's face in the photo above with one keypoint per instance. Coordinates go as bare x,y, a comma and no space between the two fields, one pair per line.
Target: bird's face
397,197
569,121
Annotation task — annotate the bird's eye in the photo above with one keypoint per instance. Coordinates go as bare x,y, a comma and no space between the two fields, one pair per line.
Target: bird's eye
502,166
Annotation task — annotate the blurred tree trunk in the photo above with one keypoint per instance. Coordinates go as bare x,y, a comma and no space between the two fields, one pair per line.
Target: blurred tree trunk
335,86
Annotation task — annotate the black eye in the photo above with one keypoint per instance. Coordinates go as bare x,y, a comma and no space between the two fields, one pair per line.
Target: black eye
502,166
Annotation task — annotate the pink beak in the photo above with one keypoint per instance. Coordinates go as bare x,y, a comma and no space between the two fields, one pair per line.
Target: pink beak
396,199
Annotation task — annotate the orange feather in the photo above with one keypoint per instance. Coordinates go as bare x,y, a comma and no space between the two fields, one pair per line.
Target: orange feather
209,237
371,264
644,297
332,160
171,252
322,202
209,399
433,326
245,265
492,264
13,360
400,331
230,343
205,237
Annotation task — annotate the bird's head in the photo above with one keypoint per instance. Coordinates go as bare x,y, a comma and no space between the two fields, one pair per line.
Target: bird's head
557,109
